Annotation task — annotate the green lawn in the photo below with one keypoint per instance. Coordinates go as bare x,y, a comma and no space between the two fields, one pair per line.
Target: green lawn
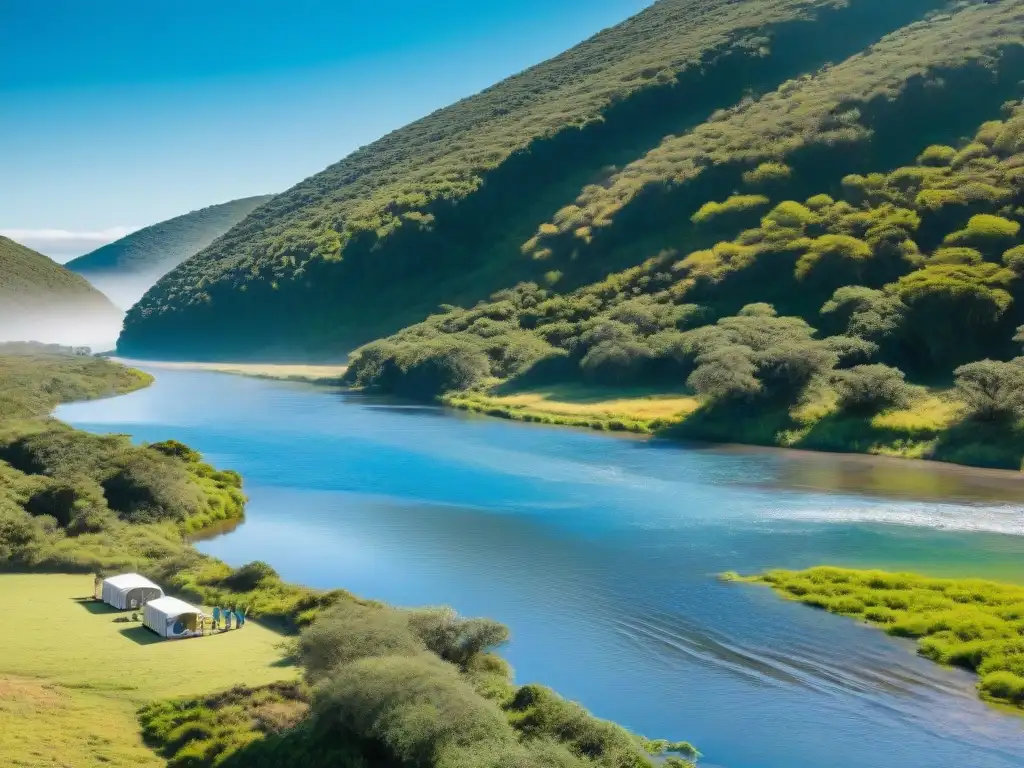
72,678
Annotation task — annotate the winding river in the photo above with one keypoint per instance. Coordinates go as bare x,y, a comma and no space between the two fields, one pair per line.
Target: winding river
601,552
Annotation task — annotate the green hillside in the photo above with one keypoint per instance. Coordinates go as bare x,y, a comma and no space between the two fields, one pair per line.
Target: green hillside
126,268
440,211
596,161
42,301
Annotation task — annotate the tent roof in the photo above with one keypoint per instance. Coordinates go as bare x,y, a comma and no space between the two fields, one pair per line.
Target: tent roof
172,606
130,581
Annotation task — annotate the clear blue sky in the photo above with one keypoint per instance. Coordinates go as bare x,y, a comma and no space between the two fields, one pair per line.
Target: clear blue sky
121,113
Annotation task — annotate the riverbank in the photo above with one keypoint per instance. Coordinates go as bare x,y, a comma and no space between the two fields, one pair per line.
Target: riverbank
418,507
314,374
75,502
931,428
968,623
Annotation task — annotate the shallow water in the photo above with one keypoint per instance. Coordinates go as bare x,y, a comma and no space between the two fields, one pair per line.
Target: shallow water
600,553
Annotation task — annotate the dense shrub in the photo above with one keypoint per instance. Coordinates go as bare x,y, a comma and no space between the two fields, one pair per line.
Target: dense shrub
866,389
419,370
454,638
250,576
767,173
1014,259
992,390
937,155
953,310
733,210
989,234
349,632
616,362
757,353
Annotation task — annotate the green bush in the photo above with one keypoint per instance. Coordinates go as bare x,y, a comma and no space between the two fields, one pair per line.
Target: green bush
992,390
962,255
1014,259
768,173
733,208
835,251
866,389
937,155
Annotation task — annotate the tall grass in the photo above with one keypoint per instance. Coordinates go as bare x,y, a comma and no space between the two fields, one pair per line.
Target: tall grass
969,623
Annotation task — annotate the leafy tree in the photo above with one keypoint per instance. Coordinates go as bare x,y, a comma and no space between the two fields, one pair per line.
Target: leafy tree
732,210
953,310
1014,259
757,353
992,390
937,155
726,373
961,255
842,256
866,389
990,234
454,638
768,173
616,362
851,350
866,313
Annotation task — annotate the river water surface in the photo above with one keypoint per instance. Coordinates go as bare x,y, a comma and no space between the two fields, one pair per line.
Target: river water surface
600,553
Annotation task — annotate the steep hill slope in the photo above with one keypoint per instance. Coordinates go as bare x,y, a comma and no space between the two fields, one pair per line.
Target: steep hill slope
126,268
42,301
586,164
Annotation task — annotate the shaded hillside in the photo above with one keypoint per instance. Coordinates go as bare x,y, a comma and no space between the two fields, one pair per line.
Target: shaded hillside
42,301
126,268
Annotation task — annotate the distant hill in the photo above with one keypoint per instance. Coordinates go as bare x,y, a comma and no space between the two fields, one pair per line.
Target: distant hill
126,268
42,301
588,164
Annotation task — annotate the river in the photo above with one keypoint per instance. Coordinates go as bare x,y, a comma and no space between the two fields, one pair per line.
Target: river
601,554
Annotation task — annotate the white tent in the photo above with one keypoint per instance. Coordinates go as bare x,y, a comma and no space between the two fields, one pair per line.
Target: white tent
129,591
171,617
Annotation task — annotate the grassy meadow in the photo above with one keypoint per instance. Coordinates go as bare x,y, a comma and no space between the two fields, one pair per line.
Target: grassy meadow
578,405
73,678
969,623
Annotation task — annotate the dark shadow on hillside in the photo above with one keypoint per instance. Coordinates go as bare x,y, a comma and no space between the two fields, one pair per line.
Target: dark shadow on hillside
980,444
747,423
843,433
142,636
96,606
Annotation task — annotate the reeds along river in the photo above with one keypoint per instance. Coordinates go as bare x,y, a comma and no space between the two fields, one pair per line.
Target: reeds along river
601,554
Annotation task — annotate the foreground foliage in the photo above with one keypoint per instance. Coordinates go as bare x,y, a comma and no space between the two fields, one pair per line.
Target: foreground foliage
410,688
970,623
385,686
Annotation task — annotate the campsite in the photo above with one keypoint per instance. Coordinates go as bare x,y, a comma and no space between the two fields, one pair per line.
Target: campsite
67,656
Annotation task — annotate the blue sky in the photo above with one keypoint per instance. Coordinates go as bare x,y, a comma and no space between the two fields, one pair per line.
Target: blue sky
121,113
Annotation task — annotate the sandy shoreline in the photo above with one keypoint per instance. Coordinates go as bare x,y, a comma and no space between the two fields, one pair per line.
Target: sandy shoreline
284,371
